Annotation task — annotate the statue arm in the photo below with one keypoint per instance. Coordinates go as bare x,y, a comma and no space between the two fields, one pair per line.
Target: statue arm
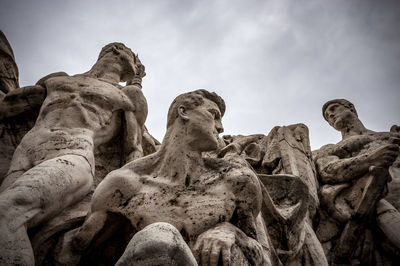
22,100
247,211
138,101
134,122
133,132
333,169
220,239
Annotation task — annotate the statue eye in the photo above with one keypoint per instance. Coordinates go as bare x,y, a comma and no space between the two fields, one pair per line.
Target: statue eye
213,112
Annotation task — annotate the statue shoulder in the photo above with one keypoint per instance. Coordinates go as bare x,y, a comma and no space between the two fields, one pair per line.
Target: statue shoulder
234,170
326,150
41,82
118,186
233,161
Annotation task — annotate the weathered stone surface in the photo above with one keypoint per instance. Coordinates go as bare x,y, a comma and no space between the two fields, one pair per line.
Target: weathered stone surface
157,244
213,203
12,129
53,166
195,199
284,165
355,175
8,67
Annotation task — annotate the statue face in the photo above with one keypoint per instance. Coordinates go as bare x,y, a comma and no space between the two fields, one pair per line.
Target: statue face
204,125
339,116
123,59
130,68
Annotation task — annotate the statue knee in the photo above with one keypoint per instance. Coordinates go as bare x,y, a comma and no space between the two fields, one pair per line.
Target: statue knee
16,208
158,243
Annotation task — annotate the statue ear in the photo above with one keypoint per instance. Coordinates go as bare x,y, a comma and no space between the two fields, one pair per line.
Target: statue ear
182,113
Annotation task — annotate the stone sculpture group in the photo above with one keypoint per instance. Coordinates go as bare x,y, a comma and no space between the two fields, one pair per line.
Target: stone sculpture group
84,183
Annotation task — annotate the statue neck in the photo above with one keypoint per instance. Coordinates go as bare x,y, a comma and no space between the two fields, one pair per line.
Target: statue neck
106,70
178,161
354,127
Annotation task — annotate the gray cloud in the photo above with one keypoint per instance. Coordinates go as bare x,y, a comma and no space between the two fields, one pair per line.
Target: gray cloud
274,62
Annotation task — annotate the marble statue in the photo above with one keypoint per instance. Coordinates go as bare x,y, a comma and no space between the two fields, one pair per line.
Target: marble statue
8,67
53,166
283,163
209,206
356,192
83,182
11,129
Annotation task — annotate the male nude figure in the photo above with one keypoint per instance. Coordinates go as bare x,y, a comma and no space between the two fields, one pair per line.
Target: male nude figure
53,167
349,165
210,203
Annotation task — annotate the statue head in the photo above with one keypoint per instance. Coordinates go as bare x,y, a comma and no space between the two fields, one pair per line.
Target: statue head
133,66
200,112
336,111
111,47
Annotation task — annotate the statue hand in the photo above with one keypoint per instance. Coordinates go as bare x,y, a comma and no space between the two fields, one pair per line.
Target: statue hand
214,243
384,156
394,140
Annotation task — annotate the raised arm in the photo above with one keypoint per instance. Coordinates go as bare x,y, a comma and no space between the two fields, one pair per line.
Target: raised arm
134,123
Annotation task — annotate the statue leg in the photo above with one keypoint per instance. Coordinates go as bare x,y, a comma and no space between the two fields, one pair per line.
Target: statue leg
157,244
20,163
388,220
39,194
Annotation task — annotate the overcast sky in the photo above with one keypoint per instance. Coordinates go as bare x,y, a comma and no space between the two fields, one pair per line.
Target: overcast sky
275,62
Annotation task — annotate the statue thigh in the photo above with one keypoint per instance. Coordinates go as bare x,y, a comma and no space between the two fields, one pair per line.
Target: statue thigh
46,189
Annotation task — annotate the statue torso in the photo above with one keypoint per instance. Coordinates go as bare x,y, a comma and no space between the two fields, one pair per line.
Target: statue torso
207,201
78,113
191,209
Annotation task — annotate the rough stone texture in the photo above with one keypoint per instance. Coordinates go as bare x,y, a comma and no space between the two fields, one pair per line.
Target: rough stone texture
355,173
14,128
8,67
157,244
284,165
53,166
195,199
213,203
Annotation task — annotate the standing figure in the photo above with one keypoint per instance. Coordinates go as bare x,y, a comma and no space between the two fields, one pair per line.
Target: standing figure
53,166
184,208
355,173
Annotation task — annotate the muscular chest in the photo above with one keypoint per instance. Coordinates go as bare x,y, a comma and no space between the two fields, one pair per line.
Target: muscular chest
90,93
190,209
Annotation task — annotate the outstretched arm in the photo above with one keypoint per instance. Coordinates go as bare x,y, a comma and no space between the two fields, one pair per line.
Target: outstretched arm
22,100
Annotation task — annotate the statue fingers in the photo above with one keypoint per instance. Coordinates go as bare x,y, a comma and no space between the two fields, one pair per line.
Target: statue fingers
205,252
226,255
197,249
214,254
